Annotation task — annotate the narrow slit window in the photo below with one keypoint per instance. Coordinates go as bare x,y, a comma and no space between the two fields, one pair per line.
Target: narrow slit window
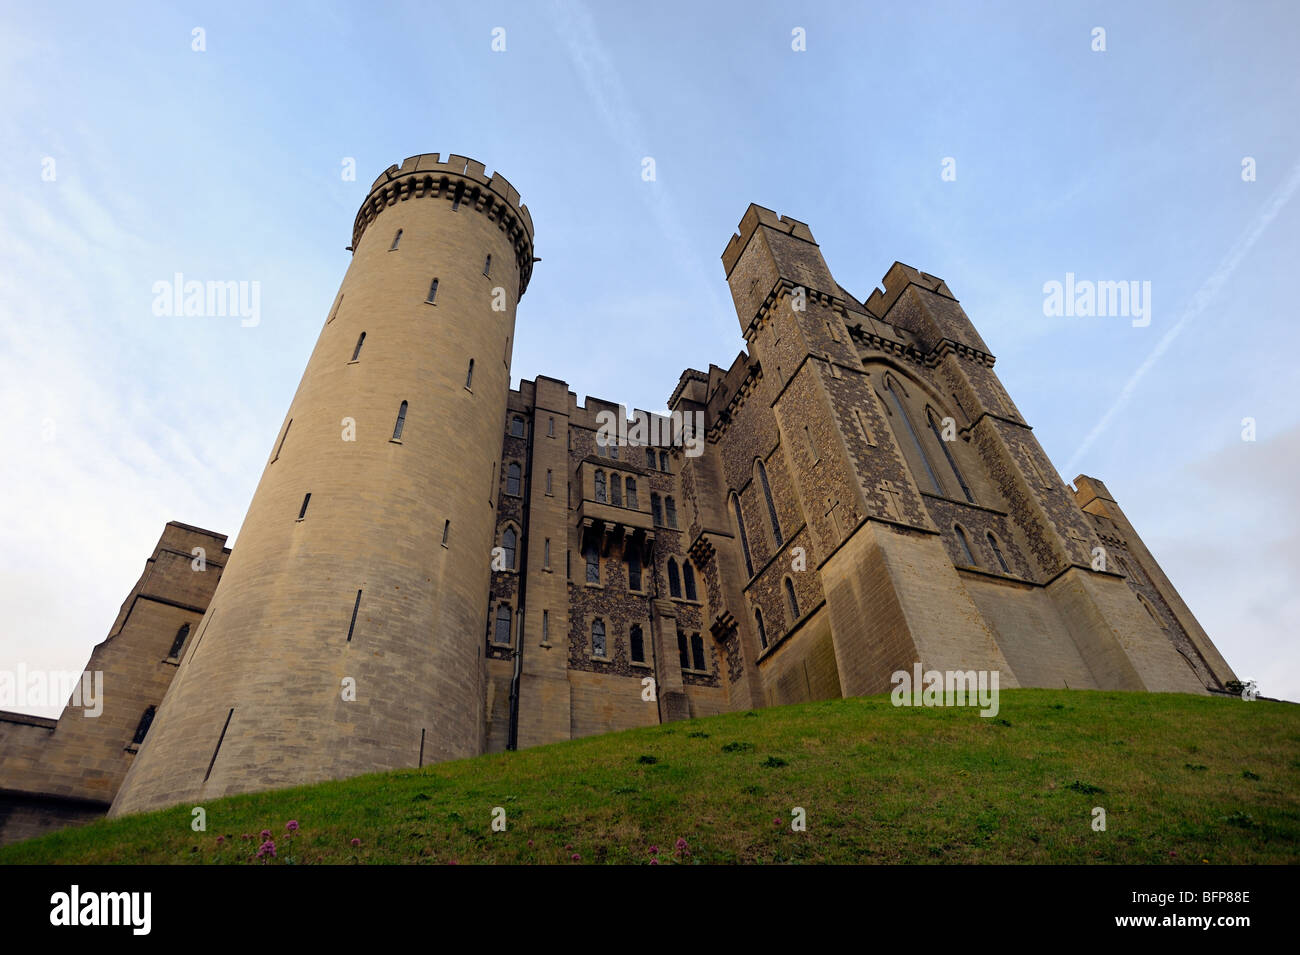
740,530
636,640
510,544
866,429
792,602
615,490
600,487
633,569
688,579
546,554
179,643
213,761
548,480
302,512
469,375
142,728
353,624
598,638
966,552
674,579
771,505
697,651
631,493
952,463
280,447
396,239
913,436
513,477
546,626
433,292
997,552
446,530
487,266
356,352
683,654
670,511
593,564
550,427
502,634
401,422
812,445
762,631
656,512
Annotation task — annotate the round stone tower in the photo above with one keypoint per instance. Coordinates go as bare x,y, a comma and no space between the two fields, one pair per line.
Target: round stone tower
346,635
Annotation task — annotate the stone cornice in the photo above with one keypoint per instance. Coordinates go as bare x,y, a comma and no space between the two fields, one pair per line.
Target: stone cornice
459,178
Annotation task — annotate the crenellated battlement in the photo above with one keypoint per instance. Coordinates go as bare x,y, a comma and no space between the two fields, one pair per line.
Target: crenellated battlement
898,278
427,176
754,217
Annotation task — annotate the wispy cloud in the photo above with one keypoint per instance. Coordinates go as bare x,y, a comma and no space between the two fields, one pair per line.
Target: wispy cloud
604,85
1200,301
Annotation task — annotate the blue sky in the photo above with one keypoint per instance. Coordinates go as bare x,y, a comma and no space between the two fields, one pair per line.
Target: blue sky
226,164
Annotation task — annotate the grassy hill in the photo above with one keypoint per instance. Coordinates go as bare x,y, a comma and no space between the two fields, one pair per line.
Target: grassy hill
1182,779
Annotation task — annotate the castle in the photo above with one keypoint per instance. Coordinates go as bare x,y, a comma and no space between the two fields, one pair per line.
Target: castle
435,565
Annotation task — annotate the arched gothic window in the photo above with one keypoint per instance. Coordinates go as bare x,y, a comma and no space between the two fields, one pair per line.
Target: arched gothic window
771,506
901,414
740,531
965,546
952,462
997,552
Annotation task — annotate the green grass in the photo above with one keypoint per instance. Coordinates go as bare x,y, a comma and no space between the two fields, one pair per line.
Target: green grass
1182,779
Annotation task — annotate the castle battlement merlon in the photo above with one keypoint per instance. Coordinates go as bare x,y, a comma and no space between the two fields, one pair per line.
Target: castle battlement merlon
755,216
896,280
426,175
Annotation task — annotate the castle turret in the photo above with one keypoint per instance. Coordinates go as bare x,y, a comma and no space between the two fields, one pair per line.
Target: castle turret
345,636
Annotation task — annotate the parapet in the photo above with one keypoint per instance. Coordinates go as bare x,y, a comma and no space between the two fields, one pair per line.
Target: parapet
1090,489
427,176
898,278
755,216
